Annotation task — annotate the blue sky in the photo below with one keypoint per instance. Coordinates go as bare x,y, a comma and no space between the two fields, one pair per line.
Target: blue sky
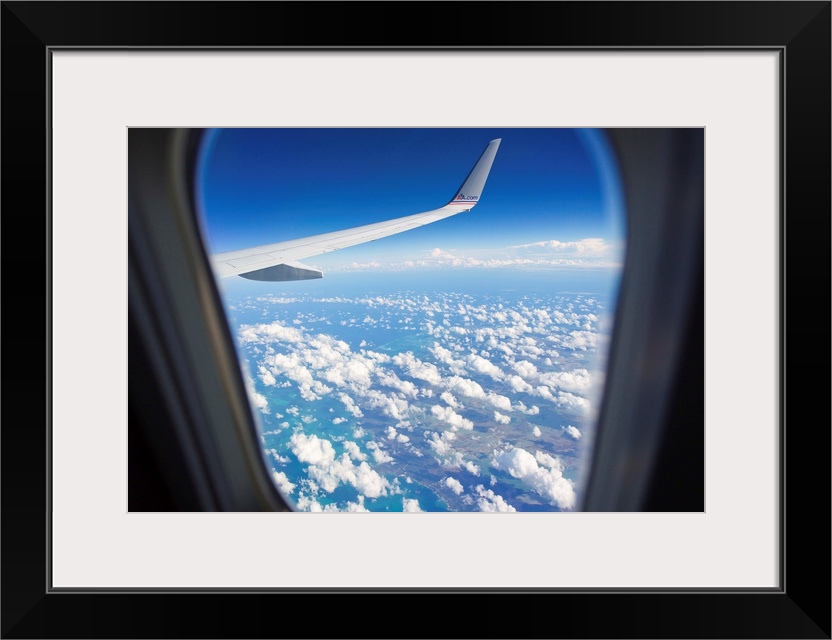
550,191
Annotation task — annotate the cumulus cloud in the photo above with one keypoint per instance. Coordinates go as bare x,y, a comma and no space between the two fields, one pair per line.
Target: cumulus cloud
356,507
415,368
531,411
505,348
259,402
546,480
518,385
525,369
548,254
266,376
471,468
465,387
274,332
379,455
437,443
306,503
312,449
580,340
350,405
282,482
490,501
501,402
367,481
480,365
354,451
391,406
454,485
571,402
445,356
274,453
448,415
410,505
576,381
329,472
449,399
587,246
390,379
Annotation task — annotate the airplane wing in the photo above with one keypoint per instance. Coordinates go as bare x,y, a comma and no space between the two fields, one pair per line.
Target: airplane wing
278,261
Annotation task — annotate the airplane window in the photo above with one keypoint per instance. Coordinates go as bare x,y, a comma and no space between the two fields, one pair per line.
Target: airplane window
422,316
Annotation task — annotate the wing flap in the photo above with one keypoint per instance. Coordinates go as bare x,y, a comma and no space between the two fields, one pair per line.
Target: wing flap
284,272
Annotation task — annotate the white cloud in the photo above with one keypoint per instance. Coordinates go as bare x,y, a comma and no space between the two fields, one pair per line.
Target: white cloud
518,385
501,402
410,505
471,468
465,387
526,369
390,379
353,372
379,455
356,507
449,399
391,406
274,453
305,503
338,420
282,482
573,403
350,405
500,418
479,364
533,411
574,432
367,481
549,254
266,376
454,485
445,356
329,472
587,246
354,451
490,501
259,402
580,340
312,449
548,482
274,332
436,443
448,415
577,381
415,368
536,432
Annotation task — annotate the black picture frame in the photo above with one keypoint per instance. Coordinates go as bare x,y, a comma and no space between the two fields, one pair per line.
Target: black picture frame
799,31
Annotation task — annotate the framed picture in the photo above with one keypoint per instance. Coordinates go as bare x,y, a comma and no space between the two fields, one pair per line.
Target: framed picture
754,76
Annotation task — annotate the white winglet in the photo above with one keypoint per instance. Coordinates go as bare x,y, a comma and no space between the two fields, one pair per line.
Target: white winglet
276,262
